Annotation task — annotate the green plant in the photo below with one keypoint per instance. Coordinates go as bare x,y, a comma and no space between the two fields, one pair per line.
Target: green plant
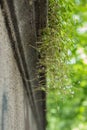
58,40
66,77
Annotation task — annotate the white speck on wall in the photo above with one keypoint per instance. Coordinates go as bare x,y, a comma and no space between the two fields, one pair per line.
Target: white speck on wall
30,2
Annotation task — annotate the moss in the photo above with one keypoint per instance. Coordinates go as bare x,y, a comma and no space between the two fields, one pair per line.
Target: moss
57,41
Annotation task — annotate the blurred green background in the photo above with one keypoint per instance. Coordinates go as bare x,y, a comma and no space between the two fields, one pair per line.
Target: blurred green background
69,111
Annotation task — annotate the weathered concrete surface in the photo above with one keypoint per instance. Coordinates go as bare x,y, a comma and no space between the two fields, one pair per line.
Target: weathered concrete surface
13,100
11,86
22,107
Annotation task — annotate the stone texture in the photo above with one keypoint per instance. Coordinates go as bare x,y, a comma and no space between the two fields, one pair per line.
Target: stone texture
13,100
21,106
11,86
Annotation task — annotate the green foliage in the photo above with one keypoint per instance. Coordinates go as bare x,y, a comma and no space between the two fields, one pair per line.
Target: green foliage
65,53
57,38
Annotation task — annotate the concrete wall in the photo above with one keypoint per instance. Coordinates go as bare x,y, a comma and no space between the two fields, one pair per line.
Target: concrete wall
15,112
11,86
21,108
